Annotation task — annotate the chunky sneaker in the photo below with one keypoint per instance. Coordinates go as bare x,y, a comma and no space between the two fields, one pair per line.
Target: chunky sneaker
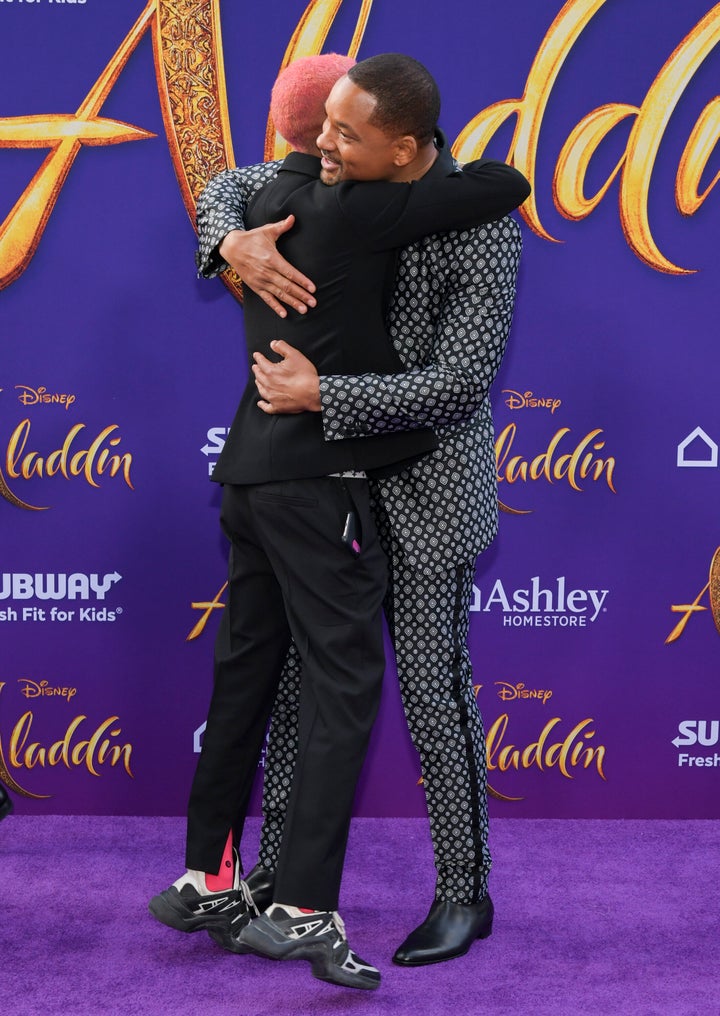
188,905
228,934
261,883
318,937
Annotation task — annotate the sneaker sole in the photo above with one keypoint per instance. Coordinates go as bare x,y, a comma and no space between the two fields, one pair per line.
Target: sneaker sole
170,909
276,947
228,941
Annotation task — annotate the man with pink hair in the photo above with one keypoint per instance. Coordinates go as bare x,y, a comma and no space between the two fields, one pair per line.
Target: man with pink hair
297,101
305,562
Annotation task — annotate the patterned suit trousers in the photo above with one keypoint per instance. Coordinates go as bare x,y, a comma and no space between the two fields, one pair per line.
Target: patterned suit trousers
428,616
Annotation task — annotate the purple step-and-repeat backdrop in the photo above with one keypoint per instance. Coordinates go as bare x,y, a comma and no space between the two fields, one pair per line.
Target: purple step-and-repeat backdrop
595,629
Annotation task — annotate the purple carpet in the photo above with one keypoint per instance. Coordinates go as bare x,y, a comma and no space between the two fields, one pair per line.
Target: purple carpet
592,917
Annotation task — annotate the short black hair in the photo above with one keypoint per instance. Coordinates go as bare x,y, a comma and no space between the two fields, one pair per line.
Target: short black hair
407,95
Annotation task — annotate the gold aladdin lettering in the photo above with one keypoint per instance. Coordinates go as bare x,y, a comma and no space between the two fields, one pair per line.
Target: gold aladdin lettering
91,752
564,755
200,144
648,122
575,465
91,462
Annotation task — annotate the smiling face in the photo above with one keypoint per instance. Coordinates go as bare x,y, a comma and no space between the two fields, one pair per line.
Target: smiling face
351,147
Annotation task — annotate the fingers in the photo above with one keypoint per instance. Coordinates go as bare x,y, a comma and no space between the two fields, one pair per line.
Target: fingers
278,228
262,381
282,348
265,402
293,295
281,291
294,285
263,269
273,304
261,360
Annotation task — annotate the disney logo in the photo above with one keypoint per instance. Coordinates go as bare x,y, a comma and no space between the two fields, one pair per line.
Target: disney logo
41,396
40,689
509,692
526,400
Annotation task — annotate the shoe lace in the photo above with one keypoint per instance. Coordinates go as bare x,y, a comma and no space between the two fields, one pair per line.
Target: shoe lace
339,924
247,896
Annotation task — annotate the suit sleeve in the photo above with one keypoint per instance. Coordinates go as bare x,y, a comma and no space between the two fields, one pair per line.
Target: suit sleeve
469,342
221,208
394,214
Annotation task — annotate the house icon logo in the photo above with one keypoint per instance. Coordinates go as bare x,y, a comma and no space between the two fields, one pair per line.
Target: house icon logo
698,450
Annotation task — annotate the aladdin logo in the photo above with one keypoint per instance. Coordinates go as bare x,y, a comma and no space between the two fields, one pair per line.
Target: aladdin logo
712,588
79,747
23,586
537,607
702,732
551,750
76,457
527,400
41,396
561,460
198,125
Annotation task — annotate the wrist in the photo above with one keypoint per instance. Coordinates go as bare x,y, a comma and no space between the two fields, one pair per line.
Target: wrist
231,239
313,396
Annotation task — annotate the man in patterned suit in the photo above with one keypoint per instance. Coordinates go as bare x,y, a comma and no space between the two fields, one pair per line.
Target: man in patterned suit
449,319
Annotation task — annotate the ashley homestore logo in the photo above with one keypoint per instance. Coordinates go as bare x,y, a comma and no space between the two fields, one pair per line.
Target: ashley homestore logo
541,604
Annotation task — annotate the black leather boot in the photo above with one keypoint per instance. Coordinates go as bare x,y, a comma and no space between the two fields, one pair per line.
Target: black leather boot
448,931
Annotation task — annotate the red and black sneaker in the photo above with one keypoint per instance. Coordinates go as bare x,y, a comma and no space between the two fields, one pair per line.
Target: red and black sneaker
189,906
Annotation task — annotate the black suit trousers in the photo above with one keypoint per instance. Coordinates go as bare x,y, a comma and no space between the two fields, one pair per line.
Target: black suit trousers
290,576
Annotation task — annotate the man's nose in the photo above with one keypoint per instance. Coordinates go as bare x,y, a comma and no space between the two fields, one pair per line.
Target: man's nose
324,138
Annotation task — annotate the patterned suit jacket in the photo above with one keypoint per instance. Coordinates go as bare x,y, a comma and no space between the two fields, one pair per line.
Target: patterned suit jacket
449,320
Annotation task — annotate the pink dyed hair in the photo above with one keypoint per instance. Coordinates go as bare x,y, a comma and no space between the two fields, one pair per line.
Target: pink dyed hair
297,103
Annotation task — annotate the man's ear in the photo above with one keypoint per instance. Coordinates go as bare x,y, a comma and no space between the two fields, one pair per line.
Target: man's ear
406,149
